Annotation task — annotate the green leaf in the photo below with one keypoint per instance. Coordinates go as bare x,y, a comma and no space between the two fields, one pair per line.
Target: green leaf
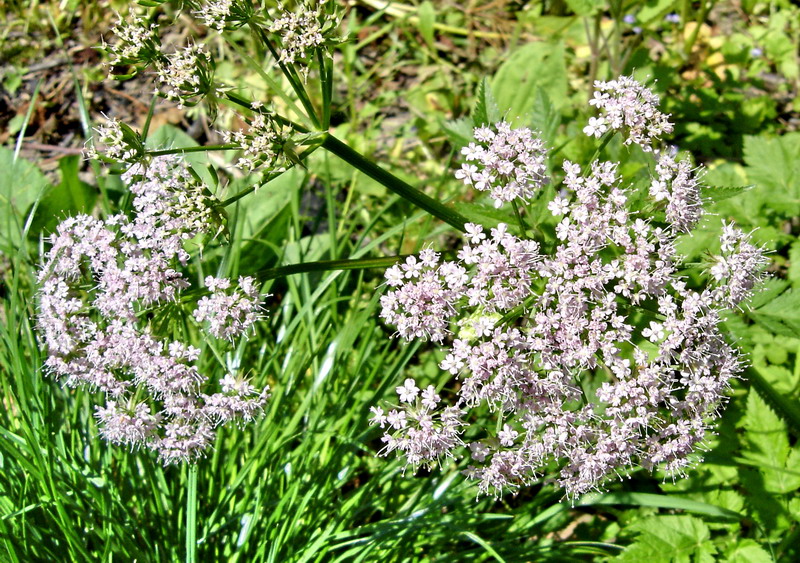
20,184
781,315
486,215
659,501
485,111
170,137
670,538
459,131
747,551
718,193
427,18
769,290
544,117
765,433
532,66
774,165
584,8
793,272
70,197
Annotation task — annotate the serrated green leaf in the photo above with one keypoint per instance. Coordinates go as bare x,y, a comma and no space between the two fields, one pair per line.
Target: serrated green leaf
544,118
459,131
747,551
769,290
669,538
713,194
781,315
765,432
485,111
767,444
774,165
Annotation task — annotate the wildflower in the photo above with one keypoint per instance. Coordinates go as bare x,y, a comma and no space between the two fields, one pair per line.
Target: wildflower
299,33
229,315
739,269
510,163
262,144
524,328
678,187
116,142
225,14
628,105
186,75
137,42
96,281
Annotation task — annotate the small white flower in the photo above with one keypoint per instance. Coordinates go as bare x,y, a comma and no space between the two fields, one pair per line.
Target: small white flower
408,391
596,127
559,206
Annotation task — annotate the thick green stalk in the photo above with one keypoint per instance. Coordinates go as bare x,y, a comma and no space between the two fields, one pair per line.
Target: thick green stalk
199,148
191,515
393,183
292,77
328,265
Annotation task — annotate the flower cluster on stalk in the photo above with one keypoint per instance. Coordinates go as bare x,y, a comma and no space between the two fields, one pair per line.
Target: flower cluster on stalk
261,144
300,32
509,163
580,358
184,75
107,290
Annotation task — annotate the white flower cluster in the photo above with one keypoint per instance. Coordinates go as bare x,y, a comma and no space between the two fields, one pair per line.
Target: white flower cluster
98,281
136,40
111,142
299,32
628,106
185,74
508,163
261,144
591,354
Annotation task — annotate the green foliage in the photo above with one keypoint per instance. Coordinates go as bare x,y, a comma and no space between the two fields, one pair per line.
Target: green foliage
21,185
303,484
670,538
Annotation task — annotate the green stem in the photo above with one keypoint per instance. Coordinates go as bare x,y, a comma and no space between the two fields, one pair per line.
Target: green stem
191,515
328,265
705,7
293,78
148,120
200,148
522,225
326,86
606,139
393,183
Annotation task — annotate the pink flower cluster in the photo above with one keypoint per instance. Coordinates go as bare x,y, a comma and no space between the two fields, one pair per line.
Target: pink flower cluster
628,106
508,163
229,314
591,354
103,290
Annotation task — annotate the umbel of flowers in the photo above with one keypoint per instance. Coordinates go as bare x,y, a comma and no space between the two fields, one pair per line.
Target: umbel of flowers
591,357
104,286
